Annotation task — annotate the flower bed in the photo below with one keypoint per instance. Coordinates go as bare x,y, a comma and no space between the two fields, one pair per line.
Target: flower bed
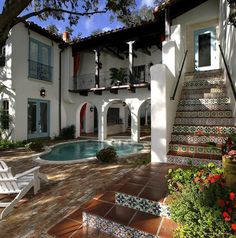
201,203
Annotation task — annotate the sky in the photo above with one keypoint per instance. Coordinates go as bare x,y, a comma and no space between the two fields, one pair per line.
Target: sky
87,25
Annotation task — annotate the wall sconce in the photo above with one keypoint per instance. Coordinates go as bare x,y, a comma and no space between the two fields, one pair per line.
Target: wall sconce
232,13
42,92
124,104
91,109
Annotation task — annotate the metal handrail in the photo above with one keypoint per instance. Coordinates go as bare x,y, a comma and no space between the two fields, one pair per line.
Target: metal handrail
227,71
180,72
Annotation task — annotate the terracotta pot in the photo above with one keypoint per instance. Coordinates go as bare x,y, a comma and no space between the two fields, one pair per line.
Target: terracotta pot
229,171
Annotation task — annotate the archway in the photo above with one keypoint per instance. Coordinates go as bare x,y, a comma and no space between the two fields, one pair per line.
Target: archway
87,120
145,120
118,119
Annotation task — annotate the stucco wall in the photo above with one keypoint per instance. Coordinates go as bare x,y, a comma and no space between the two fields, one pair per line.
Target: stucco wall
203,16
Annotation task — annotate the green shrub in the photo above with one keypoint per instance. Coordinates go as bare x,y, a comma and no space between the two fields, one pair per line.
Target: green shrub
34,146
68,132
8,144
107,155
203,206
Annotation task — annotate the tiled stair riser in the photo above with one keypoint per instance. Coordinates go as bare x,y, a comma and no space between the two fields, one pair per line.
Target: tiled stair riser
203,95
205,114
204,82
142,204
204,121
206,73
204,101
205,107
217,130
194,149
194,161
113,228
207,89
194,139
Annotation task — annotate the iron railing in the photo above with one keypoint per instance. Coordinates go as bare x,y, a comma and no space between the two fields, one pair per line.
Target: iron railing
228,72
40,71
179,76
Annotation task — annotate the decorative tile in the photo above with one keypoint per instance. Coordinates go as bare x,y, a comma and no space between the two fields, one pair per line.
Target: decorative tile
203,101
205,107
142,204
191,95
204,121
208,89
188,160
195,114
204,82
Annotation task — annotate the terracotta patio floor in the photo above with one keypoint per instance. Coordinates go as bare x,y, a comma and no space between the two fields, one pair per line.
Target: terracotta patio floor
69,187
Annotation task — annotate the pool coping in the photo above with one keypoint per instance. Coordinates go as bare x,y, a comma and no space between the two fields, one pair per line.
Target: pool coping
48,149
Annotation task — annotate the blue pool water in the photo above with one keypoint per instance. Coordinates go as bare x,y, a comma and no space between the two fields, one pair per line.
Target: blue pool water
86,149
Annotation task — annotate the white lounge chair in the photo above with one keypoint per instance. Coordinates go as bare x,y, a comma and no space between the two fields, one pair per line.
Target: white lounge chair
19,185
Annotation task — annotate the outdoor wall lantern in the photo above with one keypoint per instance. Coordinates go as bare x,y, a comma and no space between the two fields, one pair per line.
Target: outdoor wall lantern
91,109
232,13
42,92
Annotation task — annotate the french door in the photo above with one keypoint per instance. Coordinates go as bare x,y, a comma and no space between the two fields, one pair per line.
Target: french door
205,47
38,118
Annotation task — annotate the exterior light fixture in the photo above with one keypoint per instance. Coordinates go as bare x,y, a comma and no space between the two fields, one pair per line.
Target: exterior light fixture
232,13
91,109
124,104
42,92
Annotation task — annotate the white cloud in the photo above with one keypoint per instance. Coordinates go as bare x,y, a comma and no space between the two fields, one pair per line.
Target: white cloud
149,3
106,29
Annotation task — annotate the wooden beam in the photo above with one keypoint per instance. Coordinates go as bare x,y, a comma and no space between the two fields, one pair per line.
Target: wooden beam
83,92
97,92
114,90
115,53
131,89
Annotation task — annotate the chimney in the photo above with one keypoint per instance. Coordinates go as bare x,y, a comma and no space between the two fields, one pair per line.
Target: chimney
66,36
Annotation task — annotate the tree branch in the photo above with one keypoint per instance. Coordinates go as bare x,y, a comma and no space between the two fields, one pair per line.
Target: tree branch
49,9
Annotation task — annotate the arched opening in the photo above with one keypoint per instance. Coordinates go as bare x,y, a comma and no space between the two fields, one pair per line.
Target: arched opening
118,119
145,120
88,120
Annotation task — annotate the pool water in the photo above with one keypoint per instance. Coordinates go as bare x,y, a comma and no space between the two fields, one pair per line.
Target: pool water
87,149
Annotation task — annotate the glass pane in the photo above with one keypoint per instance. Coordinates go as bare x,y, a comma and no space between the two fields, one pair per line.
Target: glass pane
32,117
33,51
204,41
45,55
43,118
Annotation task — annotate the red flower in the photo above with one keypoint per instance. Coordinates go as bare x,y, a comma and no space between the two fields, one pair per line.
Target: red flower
233,227
226,216
222,184
229,209
232,152
231,196
212,180
221,202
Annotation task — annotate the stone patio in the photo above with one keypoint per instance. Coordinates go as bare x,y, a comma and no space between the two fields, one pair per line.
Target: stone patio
69,187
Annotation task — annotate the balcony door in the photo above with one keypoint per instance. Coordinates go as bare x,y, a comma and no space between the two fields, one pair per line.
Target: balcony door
38,118
205,47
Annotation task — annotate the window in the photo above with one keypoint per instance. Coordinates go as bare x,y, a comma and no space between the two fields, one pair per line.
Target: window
5,115
40,61
139,73
2,56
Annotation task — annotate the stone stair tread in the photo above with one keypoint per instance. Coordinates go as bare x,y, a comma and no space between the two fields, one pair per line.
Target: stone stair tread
199,156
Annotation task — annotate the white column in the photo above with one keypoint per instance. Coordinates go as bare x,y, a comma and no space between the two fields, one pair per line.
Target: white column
146,115
135,127
102,124
97,67
130,43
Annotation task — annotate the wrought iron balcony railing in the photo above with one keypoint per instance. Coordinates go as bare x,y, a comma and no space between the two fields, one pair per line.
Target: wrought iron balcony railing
40,71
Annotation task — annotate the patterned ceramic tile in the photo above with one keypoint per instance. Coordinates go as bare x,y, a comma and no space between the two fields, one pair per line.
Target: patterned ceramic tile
142,204
204,107
113,228
217,130
195,139
204,101
195,114
202,95
204,82
187,160
204,121
215,89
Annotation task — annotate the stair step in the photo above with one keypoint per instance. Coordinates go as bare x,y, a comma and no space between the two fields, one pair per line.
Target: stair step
205,74
203,101
204,86
204,121
193,149
203,95
142,204
214,89
197,139
123,222
187,159
206,114
216,130
204,82
201,107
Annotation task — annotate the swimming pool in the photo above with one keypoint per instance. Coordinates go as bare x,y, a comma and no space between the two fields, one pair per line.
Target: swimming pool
81,150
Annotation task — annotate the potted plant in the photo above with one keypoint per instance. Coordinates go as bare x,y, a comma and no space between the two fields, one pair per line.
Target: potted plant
118,76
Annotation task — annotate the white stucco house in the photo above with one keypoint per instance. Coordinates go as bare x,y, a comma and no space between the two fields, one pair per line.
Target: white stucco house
53,83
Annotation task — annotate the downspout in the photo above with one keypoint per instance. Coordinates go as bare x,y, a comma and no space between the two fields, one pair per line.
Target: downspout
60,54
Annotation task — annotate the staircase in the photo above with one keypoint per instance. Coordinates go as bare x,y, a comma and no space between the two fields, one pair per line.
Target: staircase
203,115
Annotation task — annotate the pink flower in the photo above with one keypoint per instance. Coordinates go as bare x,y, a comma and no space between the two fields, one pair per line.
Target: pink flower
231,196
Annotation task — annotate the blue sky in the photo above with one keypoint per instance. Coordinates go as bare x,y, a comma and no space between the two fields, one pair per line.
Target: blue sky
87,25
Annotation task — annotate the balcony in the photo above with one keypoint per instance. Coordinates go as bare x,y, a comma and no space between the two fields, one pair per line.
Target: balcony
40,71
87,81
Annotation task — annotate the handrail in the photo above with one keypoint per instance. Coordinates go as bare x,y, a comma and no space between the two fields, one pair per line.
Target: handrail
227,71
180,72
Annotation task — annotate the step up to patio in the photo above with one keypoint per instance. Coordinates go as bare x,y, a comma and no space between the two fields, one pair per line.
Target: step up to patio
203,101
206,114
203,95
204,82
216,73
201,107
202,91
